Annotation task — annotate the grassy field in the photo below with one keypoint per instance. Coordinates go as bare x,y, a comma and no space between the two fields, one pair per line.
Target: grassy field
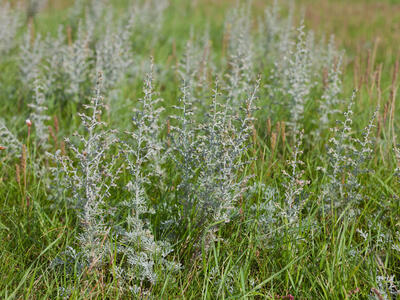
261,174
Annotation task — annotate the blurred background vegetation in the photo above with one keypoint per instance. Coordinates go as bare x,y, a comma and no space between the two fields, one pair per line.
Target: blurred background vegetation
359,26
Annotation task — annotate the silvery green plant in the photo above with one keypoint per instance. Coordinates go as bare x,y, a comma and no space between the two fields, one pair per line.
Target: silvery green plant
52,73
294,186
185,149
333,193
30,57
77,9
276,35
269,29
209,157
346,162
9,24
286,36
97,9
317,55
397,156
90,172
95,14
77,62
188,67
143,154
8,141
240,57
330,98
298,79
192,69
266,212
331,52
148,18
113,56
222,146
38,114
386,288
325,54
291,80
206,62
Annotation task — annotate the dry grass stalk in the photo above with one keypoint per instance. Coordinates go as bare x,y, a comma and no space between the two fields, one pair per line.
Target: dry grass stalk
273,142
53,136
69,35
56,124
23,171
225,39
393,92
18,174
269,126
283,132
378,83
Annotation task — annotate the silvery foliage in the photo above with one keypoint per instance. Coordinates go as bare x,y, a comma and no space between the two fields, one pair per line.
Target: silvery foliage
346,162
8,140
31,56
396,242
69,261
240,56
386,287
397,155
277,32
294,186
77,61
266,211
325,55
297,79
208,157
147,18
192,68
77,9
90,173
270,28
330,98
206,62
185,149
291,79
38,114
397,169
114,56
9,24
97,9
222,146
142,152
225,277
277,35
318,55
53,76
94,13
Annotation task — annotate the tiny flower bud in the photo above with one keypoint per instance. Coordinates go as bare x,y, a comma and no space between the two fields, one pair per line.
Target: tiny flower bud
28,122
2,148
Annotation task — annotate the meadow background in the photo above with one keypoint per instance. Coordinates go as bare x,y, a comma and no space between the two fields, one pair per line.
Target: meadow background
236,186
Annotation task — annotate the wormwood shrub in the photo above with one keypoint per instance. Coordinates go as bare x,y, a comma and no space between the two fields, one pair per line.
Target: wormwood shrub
9,25
210,155
144,155
347,163
9,142
39,116
89,176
